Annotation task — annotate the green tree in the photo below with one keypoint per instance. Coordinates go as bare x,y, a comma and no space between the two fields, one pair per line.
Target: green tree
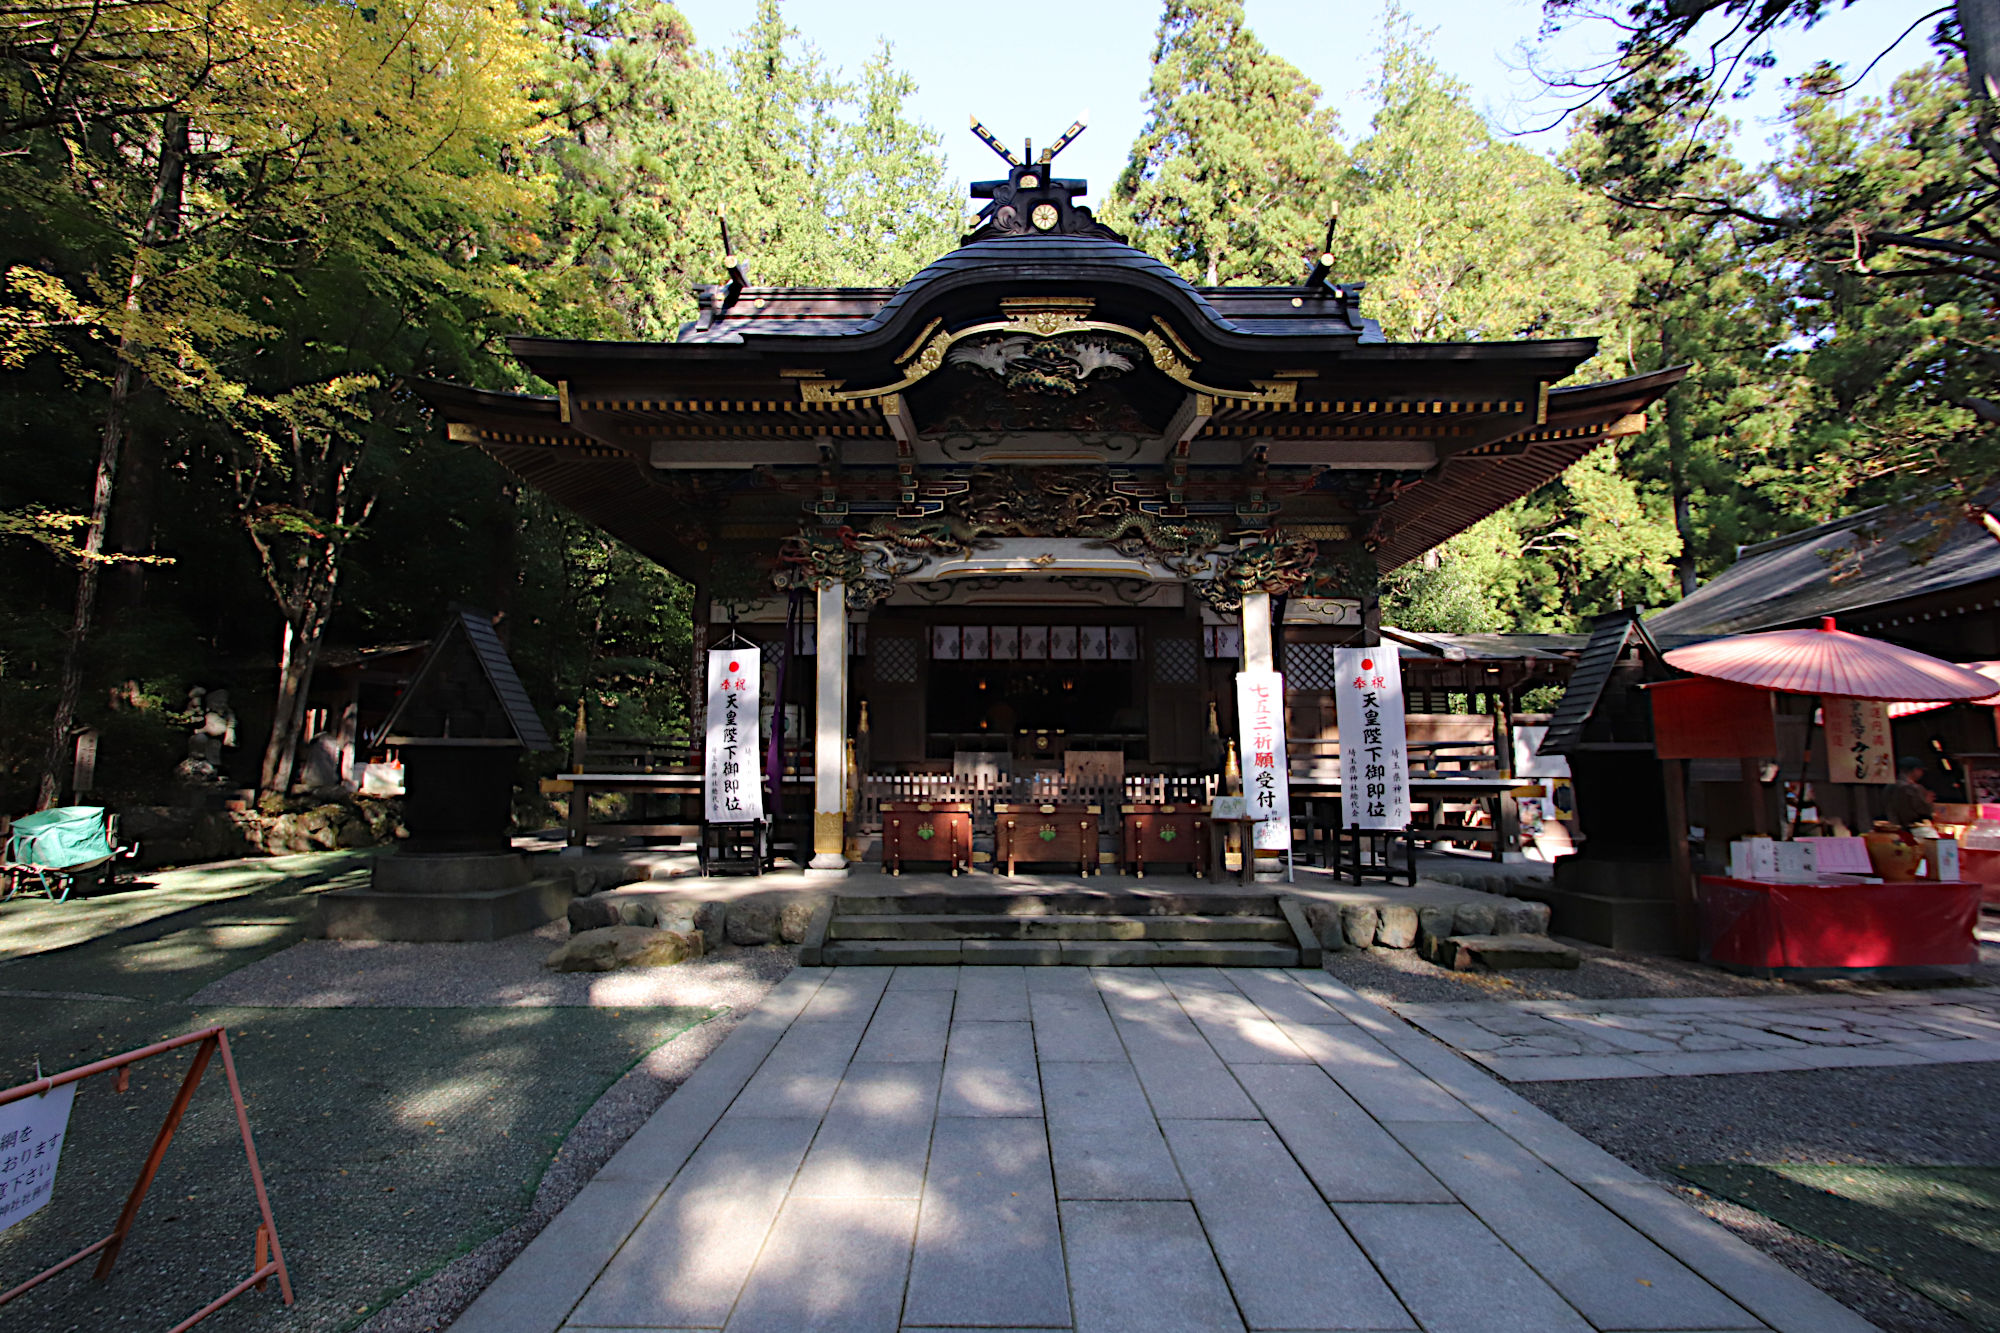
1461,235
1699,299
1898,349
1232,179
274,136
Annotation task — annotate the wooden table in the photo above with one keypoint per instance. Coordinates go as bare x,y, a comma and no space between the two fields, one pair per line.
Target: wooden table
1246,838
1162,832
1045,831
926,831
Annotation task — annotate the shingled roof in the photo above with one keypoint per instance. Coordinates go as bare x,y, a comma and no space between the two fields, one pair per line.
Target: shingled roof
1610,635
1871,559
466,689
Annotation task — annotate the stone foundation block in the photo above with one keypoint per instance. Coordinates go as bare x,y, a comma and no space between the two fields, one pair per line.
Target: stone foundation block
1359,924
613,947
1397,928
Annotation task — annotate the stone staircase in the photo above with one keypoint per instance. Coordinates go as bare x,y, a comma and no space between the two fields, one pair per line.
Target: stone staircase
1078,928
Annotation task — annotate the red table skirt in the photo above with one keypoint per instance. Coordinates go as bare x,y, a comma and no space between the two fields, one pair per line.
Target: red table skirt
1764,926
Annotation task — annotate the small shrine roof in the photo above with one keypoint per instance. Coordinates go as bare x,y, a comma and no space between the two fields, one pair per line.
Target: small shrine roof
1872,559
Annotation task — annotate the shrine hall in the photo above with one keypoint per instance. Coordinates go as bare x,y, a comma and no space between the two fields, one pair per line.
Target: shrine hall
1011,529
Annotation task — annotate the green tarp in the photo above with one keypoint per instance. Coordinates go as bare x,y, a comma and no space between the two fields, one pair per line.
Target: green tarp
69,835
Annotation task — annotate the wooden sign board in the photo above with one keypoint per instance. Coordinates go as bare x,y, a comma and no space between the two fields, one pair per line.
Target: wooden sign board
1699,718
1858,745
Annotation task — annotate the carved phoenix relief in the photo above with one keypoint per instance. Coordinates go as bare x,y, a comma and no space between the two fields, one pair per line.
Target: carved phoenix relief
1059,365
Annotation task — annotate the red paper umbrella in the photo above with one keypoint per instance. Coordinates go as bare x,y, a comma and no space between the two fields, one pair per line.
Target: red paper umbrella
1990,670
1828,661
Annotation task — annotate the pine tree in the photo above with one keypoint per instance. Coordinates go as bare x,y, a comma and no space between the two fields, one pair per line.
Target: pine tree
1232,179
1699,300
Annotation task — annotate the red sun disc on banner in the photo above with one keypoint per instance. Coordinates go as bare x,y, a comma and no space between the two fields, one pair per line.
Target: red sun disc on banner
735,666
1367,664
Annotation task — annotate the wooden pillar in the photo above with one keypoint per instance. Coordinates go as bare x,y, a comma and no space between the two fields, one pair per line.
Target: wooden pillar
1680,864
830,731
579,795
699,612
1758,807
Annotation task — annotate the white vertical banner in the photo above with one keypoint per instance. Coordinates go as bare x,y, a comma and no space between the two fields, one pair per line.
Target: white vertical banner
1267,790
1374,747
732,782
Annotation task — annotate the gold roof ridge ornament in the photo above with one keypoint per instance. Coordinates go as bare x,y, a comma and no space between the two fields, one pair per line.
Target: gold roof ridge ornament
1046,317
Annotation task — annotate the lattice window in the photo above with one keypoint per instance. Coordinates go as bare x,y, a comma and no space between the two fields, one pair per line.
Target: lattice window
1175,661
1310,666
896,660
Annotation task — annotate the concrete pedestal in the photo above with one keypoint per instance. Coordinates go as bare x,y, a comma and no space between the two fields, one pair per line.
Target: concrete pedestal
1622,904
443,897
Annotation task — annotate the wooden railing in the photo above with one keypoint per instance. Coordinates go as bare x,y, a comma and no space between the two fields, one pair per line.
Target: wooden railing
982,790
1428,759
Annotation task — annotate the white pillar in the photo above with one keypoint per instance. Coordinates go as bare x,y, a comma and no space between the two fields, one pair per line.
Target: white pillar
1257,631
830,730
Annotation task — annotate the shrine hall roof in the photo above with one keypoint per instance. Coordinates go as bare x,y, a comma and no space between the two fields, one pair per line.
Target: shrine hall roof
1327,311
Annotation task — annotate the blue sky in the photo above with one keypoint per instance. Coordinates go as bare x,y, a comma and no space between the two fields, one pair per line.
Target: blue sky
1030,67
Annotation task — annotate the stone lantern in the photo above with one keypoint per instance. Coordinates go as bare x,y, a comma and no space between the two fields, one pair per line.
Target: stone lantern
460,726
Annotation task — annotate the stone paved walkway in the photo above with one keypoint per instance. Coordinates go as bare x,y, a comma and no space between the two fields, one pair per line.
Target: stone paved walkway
1534,1040
1107,1149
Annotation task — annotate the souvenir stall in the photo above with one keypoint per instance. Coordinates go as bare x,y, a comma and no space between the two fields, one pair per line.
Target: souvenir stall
1816,899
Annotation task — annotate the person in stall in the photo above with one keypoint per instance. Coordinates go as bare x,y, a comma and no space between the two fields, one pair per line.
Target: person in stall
1909,802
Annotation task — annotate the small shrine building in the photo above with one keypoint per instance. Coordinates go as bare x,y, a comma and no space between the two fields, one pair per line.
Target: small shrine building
1048,494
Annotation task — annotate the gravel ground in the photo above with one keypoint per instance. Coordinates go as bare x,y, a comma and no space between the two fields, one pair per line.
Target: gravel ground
337,974
617,1115
1393,976
1929,1114
421,1110
1915,1115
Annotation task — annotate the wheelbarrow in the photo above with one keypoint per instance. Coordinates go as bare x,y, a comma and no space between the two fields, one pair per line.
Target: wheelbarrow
47,853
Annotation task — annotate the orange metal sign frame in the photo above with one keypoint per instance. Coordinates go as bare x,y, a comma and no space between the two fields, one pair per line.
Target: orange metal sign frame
267,1258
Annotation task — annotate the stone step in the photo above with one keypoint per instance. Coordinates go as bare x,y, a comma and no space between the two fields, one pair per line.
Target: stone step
1463,953
1059,903
1066,926
1054,953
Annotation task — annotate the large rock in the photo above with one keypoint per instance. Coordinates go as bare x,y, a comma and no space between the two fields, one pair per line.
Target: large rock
794,917
752,922
611,947
657,910
1434,923
1501,952
712,920
1516,917
1473,919
591,914
1358,923
1398,927
1324,918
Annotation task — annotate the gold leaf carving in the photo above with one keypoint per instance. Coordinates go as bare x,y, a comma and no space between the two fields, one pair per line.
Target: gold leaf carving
1164,356
1047,323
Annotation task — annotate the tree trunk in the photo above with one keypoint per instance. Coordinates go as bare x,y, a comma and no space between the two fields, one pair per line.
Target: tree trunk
136,504
1676,413
70,691
162,218
306,613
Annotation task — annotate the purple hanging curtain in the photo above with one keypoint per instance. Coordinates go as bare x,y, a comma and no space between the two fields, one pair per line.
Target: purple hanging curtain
774,755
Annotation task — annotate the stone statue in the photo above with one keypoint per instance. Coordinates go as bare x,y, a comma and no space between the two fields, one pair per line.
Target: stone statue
214,732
